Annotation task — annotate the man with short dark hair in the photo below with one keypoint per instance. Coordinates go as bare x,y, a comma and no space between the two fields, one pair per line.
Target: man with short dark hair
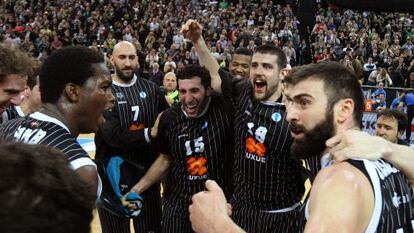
72,80
391,124
240,63
268,185
195,138
41,192
357,195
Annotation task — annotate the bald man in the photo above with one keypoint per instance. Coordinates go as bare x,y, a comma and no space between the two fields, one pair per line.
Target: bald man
129,132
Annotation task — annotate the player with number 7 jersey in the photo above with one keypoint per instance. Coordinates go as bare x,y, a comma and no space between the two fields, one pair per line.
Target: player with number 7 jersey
127,132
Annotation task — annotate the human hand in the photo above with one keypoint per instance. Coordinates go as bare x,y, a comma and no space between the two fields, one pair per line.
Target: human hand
154,128
357,144
208,208
133,201
192,30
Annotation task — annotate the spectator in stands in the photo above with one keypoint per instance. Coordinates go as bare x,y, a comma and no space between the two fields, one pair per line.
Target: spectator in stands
408,100
379,91
170,88
369,67
155,75
384,78
379,103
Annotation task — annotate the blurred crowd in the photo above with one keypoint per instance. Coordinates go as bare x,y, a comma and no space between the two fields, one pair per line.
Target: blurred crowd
41,27
378,47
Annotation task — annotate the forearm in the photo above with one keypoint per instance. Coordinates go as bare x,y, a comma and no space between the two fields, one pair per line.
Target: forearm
206,59
121,138
153,175
403,158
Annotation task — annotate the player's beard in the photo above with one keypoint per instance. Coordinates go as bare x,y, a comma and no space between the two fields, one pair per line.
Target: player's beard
124,77
313,142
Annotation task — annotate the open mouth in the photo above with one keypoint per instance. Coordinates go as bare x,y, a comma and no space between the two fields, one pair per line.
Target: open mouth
259,85
191,109
296,131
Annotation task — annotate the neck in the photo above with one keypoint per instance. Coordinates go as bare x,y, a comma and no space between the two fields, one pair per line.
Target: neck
276,95
117,79
59,112
25,106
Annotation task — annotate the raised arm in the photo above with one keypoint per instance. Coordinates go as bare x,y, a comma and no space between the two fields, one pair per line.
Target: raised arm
193,31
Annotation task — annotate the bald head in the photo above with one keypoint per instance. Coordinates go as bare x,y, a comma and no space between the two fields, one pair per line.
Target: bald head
125,60
124,45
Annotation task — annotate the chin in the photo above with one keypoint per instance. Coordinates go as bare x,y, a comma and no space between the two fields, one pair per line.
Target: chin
260,96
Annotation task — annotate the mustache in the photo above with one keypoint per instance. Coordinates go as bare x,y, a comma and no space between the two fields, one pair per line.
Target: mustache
294,127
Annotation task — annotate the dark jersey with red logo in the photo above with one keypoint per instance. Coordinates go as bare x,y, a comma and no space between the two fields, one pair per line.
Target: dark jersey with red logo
199,147
126,133
266,177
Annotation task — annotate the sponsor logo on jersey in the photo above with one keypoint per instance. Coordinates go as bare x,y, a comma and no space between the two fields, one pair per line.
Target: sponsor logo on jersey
276,117
119,95
255,147
143,95
197,167
135,126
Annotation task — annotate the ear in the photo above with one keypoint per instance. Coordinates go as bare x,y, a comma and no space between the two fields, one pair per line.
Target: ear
208,91
344,110
282,73
111,59
400,133
72,92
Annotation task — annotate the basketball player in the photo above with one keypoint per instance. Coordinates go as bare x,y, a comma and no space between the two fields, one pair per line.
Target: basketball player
15,66
41,193
352,196
31,101
71,81
195,136
239,66
268,183
129,131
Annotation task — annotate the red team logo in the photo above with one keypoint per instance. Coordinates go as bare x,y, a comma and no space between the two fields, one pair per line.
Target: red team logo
255,143
135,127
255,147
197,166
